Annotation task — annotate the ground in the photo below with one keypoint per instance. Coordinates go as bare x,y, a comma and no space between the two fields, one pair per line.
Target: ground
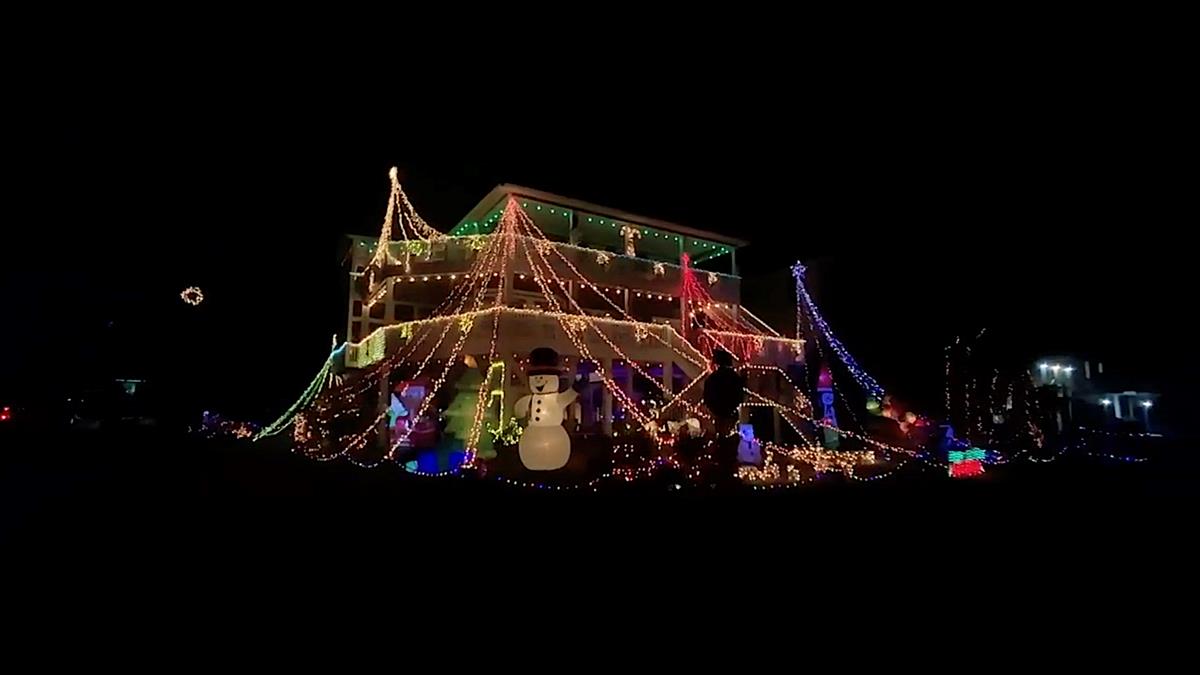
141,490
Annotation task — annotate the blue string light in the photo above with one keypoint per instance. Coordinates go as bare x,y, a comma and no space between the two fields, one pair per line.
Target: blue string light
864,380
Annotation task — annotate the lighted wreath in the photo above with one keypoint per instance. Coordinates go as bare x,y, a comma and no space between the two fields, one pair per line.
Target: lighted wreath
192,295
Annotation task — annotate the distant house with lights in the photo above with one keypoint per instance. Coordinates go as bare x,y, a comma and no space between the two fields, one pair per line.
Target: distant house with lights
1085,394
623,269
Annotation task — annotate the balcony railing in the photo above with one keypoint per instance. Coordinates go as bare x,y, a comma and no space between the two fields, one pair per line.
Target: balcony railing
455,255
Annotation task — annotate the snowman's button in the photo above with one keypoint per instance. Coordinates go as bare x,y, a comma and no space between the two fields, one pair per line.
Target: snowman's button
537,419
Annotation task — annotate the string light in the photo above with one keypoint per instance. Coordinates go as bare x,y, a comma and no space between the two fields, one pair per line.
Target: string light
310,392
684,348
461,294
805,303
322,403
192,295
573,333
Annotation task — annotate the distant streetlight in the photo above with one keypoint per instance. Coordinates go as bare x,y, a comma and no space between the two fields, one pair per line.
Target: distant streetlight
1105,402
1068,370
1146,410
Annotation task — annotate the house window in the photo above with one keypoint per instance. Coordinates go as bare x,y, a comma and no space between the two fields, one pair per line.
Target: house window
404,313
355,332
358,308
379,310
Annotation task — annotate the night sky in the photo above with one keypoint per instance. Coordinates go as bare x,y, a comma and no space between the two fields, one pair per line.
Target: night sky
928,205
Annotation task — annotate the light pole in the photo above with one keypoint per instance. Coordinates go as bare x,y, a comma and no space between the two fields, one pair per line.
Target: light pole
1107,403
1146,405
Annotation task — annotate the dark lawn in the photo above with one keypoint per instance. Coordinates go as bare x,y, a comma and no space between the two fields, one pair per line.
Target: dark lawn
148,494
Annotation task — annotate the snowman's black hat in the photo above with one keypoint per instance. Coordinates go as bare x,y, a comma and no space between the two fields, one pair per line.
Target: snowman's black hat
543,361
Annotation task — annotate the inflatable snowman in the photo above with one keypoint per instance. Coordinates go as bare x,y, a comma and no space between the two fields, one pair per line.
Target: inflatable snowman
749,449
545,445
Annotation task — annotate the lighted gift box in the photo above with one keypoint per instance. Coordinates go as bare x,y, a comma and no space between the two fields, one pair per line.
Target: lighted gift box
965,463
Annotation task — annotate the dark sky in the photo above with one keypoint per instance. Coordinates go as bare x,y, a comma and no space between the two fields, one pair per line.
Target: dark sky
1040,198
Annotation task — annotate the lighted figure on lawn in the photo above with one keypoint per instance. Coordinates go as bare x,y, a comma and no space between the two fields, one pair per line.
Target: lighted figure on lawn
406,398
828,413
545,445
749,449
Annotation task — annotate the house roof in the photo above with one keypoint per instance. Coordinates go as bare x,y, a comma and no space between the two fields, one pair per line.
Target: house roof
500,192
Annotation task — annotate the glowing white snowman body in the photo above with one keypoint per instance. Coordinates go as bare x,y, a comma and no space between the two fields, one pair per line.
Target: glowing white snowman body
545,445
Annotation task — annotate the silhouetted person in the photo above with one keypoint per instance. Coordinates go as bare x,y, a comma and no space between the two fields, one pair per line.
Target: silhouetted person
724,391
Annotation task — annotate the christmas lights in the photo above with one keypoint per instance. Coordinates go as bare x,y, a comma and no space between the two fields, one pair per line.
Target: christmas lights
485,263
455,351
589,321
710,324
574,337
192,295
506,433
475,241
805,303
630,234
494,367
964,469
965,463
310,392
689,353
